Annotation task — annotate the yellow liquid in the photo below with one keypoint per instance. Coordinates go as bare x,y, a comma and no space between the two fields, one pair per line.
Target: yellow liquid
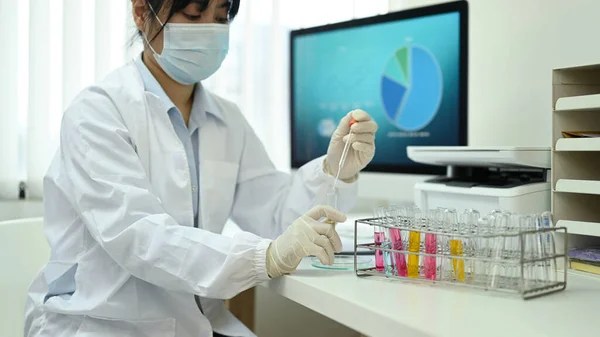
331,222
414,243
456,249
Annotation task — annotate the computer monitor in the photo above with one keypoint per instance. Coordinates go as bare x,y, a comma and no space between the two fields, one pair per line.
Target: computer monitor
407,69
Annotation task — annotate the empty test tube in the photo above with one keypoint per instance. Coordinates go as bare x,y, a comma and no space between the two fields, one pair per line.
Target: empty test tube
331,202
549,247
483,250
500,226
469,220
527,223
513,251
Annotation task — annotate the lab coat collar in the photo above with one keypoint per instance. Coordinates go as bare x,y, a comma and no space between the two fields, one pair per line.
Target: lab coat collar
203,103
151,85
203,99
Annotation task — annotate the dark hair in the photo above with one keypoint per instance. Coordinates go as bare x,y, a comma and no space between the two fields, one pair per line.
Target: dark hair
179,5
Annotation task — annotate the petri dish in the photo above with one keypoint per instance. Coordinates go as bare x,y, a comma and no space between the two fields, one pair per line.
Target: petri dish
344,262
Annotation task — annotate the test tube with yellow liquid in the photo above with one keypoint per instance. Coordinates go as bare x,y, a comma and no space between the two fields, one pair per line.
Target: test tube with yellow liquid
414,242
458,265
456,245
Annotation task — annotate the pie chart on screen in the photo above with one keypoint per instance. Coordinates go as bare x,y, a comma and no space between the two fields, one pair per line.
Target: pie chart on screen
411,88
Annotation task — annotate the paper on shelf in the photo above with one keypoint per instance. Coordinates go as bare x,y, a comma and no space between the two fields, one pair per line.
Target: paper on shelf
581,134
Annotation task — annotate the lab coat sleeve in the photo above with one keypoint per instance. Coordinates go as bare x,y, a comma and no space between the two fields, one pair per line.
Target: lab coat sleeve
267,201
112,195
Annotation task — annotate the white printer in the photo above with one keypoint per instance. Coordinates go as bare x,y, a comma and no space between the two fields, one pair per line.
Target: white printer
514,179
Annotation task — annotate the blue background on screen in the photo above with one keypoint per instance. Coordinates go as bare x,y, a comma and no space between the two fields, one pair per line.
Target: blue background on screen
338,71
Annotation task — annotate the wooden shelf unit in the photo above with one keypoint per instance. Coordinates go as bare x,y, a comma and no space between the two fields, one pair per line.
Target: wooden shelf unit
576,161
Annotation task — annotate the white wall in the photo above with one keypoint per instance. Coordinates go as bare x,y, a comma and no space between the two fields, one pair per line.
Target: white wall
18,209
514,45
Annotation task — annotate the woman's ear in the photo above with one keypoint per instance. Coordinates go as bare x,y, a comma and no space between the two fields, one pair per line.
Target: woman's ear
139,11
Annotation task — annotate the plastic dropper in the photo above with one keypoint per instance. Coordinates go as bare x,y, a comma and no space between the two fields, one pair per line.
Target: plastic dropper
344,154
332,195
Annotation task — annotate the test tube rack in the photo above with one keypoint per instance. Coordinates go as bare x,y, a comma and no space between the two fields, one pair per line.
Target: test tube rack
481,272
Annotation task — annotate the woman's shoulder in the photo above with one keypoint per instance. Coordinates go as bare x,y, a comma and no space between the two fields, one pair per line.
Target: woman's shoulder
226,109
224,105
109,97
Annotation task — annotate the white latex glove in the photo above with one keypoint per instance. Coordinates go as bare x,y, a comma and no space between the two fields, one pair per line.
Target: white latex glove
362,146
305,237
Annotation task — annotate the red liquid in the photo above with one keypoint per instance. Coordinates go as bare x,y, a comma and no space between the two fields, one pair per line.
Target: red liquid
398,257
430,248
379,238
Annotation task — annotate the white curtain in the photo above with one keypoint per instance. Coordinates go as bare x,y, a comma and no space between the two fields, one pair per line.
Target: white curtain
52,49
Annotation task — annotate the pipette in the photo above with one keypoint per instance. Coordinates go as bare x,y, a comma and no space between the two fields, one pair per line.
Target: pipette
332,196
344,155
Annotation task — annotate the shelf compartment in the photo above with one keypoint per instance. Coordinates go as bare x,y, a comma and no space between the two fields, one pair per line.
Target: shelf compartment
576,121
578,213
579,103
576,207
581,227
575,165
578,186
578,144
576,81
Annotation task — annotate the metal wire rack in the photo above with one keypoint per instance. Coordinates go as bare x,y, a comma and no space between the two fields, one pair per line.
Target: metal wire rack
483,262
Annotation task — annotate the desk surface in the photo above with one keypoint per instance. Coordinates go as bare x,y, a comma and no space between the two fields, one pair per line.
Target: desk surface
378,307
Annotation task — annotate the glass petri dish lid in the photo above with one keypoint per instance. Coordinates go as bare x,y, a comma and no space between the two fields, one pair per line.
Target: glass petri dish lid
344,262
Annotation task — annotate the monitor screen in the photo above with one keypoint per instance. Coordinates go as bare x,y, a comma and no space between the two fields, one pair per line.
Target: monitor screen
408,70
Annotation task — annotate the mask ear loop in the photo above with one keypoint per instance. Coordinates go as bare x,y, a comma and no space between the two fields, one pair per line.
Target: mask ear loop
155,15
162,25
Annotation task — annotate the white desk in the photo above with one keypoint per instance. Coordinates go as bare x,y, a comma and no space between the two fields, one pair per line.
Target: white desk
380,308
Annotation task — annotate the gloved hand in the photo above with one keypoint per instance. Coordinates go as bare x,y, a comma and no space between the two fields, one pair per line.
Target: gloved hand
362,146
304,237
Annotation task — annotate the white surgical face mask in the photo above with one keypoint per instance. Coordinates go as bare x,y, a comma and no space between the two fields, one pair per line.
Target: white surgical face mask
192,52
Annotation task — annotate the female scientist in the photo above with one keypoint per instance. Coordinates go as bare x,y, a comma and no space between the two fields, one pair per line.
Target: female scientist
150,167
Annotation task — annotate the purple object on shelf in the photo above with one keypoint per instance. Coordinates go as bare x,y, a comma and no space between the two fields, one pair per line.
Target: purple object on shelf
586,254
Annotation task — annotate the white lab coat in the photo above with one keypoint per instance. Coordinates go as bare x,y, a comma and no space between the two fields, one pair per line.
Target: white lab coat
118,213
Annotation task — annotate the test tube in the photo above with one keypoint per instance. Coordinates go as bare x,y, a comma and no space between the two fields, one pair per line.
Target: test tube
399,258
549,247
484,250
501,225
469,221
379,215
414,242
443,250
431,246
388,262
456,245
331,202
396,239
512,250
527,223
